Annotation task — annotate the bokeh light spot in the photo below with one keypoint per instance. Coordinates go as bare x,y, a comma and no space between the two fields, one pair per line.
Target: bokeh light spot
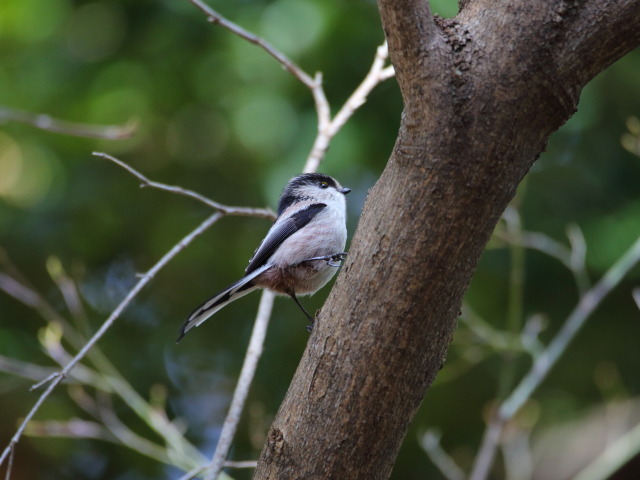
118,105
96,31
293,25
264,123
10,164
26,172
196,134
30,20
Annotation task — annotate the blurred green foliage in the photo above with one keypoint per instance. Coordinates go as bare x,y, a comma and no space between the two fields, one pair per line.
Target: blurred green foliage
218,116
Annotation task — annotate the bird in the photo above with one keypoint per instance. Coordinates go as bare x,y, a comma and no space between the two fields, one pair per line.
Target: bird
301,251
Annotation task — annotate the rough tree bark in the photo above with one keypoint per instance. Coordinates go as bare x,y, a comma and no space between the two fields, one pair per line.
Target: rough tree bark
482,92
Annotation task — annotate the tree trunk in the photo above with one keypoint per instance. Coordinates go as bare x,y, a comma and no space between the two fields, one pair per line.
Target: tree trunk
482,92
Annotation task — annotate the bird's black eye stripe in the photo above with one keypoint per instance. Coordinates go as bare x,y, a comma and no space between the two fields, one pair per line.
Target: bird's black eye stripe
291,194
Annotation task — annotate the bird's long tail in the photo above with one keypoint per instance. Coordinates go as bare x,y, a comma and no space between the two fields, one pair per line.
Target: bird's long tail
239,289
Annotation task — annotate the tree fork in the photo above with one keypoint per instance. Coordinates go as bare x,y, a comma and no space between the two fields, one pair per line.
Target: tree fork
482,93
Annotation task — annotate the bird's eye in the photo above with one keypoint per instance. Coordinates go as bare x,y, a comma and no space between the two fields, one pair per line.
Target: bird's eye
324,185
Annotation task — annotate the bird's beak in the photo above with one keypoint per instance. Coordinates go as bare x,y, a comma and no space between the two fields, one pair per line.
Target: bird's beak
344,190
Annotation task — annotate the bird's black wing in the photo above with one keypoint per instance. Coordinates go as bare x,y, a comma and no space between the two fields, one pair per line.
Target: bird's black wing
283,231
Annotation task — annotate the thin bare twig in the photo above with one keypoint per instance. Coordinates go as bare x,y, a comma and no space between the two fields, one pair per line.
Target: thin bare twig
146,278
70,294
254,351
430,443
47,379
173,450
9,450
573,258
193,473
616,454
578,257
217,19
132,440
225,209
15,285
515,291
105,378
28,296
7,475
17,290
540,242
328,127
549,357
73,428
498,340
23,369
50,124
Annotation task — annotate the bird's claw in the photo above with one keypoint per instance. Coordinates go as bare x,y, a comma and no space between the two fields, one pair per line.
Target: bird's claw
332,260
338,257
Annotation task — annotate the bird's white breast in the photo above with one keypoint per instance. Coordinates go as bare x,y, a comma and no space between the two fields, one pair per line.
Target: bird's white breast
325,234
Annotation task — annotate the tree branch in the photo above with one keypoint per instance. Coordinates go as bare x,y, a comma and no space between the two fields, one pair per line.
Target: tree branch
430,443
254,352
75,129
227,210
616,454
57,378
589,48
217,19
549,357
408,22
328,127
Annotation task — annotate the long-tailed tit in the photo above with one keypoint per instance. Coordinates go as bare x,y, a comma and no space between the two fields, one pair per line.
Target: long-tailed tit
301,250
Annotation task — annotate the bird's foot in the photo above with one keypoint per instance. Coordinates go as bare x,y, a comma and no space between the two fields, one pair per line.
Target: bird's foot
338,257
332,260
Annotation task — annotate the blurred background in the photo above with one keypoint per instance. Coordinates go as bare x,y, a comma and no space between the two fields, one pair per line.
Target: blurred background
217,115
